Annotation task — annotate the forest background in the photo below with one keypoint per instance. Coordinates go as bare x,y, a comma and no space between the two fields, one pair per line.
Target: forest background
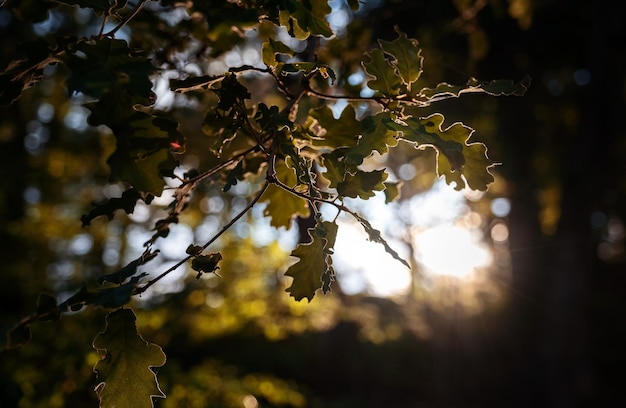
538,326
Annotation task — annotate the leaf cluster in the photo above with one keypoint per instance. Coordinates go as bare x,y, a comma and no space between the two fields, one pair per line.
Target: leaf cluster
299,151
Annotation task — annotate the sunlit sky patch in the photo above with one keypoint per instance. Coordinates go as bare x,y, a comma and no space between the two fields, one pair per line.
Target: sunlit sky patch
443,245
364,266
451,250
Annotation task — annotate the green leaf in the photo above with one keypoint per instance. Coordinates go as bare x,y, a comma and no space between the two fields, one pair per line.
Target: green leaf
385,81
342,132
392,191
308,68
407,57
126,378
314,268
271,48
282,206
335,167
362,184
300,164
457,160
100,65
379,132
496,88
426,132
302,20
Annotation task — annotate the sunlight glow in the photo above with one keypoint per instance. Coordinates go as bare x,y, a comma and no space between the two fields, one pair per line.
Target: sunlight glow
451,250
364,266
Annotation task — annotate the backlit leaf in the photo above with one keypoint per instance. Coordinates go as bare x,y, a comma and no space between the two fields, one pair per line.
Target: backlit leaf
303,20
341,132
273,47
308,68
362,184
125,375
407,58
426,132
282,206
385,79
496,88
315,263
379,134
300,164
335,167
457,160
392,191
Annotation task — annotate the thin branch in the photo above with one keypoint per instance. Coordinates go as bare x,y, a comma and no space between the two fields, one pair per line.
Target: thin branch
250,68
382,100
125,21
105,17
238,216
312,199
347,98
219,167
208,243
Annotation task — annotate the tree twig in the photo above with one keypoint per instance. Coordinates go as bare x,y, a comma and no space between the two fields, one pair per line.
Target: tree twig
125,21
208,243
